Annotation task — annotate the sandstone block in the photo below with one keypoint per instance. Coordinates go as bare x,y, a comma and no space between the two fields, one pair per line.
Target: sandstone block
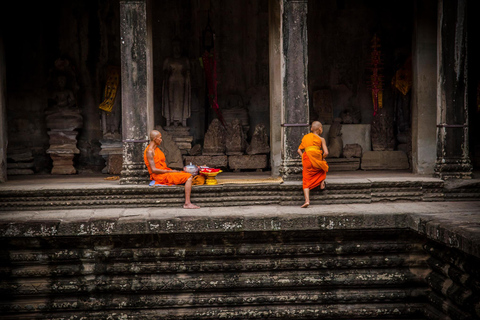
18,172
385,160
252,161
343,164
352,151
114,163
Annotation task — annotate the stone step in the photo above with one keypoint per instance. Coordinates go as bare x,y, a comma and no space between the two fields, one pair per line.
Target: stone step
413,310
230,195
244,263
24,269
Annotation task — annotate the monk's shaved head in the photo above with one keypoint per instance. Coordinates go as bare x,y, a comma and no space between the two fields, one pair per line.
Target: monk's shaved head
154,134
316,125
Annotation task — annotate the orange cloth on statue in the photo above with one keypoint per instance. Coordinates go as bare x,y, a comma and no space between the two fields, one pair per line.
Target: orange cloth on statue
314,167
164,178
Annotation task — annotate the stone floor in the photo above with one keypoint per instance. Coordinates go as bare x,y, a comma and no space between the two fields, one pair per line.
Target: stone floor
41,181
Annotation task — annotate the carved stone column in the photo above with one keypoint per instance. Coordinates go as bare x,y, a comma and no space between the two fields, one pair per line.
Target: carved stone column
424,100
295,120
452,114
137,88
3,115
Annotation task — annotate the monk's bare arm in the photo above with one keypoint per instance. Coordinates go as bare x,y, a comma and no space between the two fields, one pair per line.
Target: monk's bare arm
154,169
299,151
324,147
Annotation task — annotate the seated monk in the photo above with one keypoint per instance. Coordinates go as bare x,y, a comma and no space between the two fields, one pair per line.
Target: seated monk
315,168
157,167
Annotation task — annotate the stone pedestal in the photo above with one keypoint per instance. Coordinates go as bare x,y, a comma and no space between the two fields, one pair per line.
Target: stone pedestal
251,161
63,139
19,161
385,160
182,137
112,151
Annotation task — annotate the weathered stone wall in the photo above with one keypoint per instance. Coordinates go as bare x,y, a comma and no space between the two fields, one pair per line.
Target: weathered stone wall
454,283
104,272
232,275
405,261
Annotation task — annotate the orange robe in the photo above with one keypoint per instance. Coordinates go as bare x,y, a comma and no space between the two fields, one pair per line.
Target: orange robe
164,178
315,168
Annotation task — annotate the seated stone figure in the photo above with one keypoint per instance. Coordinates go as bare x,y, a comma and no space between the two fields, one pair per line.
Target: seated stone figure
62,98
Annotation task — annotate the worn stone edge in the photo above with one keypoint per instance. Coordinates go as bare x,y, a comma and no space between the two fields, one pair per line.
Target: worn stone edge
443,231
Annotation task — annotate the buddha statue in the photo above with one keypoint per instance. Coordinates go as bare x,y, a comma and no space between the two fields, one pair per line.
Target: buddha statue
176,90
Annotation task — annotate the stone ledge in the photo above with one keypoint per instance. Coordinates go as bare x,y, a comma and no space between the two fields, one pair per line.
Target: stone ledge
451,223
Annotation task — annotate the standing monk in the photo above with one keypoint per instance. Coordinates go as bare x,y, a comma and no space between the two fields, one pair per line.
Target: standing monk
157,167
315,168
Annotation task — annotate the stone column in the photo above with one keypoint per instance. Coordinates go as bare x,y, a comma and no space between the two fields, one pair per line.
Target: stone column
452,114
295,113
424,99
3,115
137,88
275,51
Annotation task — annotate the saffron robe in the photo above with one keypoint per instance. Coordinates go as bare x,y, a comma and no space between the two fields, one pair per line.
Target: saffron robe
164,178
315,168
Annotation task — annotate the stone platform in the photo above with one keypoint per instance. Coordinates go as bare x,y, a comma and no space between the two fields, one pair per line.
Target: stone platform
400,260
50,192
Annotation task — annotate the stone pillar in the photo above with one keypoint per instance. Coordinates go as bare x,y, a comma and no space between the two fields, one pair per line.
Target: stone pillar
452,114
295,113
276,63
3,115
137,88
424,99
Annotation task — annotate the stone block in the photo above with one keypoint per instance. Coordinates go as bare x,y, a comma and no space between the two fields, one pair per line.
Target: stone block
63,169
343,164
18,172
251,161
353,134
209,161
353,150
114,163
20,165
19,155
385,160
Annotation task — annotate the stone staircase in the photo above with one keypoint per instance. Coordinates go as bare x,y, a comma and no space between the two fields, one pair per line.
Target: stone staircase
253,275
235,194
255,266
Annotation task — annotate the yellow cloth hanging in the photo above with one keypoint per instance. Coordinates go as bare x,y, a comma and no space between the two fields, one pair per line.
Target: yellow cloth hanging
111,88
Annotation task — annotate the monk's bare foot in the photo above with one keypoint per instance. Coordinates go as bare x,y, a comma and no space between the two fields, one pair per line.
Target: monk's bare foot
323,185
305,205
190,206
